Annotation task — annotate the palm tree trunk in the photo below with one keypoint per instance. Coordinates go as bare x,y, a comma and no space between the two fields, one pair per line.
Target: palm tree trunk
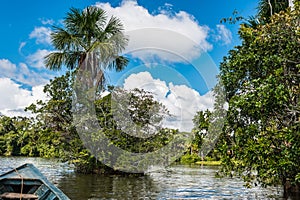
90,73
271,8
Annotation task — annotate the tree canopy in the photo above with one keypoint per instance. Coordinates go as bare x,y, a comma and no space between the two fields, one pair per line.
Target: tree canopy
88,32
261,80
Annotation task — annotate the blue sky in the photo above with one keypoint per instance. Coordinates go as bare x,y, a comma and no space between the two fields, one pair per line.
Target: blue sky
190,42
19,18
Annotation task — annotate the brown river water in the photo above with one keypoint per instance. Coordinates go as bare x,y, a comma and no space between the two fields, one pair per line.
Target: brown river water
176,182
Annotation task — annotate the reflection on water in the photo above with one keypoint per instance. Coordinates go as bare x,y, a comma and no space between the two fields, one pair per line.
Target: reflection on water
109,187
178,182
200,183
51,168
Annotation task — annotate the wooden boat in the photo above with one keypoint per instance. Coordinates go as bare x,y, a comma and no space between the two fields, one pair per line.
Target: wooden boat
27,182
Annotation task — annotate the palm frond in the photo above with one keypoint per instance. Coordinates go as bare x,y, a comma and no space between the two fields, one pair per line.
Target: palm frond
97,18
267,8
87,32
253,22
119,41
73,59
55,60
74,21
114,26
120,63
63,40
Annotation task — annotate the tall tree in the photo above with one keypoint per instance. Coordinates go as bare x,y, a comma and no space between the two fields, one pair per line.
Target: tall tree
267,8
261,80
88,32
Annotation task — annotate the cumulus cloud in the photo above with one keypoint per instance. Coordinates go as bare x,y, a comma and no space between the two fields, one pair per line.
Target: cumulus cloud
171,37
7,68
15,79
41,34
24,74
223,34
37,59
14,98
30,77
181,101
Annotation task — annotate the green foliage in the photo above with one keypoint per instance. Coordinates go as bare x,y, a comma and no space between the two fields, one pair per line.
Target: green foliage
55,113
189,158
23,137
86,163
143,112
261,80
48,133
138,105
201,123
52,132
233,19
267,8
88,32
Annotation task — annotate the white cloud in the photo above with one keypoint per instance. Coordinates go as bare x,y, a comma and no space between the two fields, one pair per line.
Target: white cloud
37,59
165,7
223,34
144,80
166,35
7,68
21,47
14,98
47,21
41,34
181,101
24,68
30,77
23,74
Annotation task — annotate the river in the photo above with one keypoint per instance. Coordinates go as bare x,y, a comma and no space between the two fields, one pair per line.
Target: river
177,182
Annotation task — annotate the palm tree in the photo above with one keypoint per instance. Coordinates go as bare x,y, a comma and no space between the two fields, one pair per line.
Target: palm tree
267,8
88,32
